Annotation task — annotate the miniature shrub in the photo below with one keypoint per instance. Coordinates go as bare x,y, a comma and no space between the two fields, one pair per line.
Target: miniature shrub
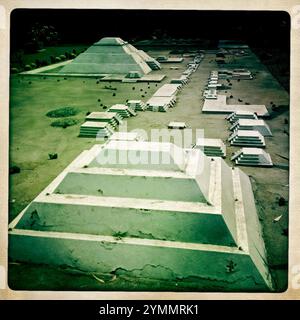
14,70
14,169
64,123
281,201
110,88
62,112
119,234
44,63
52,156
38,62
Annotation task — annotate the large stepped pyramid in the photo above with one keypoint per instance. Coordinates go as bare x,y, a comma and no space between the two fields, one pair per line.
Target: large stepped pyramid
110,56
188,217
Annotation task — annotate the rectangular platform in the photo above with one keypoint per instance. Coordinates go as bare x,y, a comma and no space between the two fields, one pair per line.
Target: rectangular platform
219,105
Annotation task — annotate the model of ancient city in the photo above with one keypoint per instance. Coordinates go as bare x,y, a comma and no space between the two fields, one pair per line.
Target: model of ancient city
97,200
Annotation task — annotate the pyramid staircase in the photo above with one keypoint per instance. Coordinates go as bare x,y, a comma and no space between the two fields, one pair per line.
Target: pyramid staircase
247,138
182,80
211,147
252,157
113,118
96,129
250,124
161,104
137,105
235,116
152,63
132,76
123,110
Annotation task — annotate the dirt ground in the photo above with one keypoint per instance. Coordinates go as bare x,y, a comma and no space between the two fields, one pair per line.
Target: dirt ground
32,139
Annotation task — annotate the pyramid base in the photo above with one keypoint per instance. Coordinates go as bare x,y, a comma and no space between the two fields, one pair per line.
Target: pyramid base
229,270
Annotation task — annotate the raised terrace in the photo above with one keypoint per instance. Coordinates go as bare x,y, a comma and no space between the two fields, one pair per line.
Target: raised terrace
192,222
219,105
